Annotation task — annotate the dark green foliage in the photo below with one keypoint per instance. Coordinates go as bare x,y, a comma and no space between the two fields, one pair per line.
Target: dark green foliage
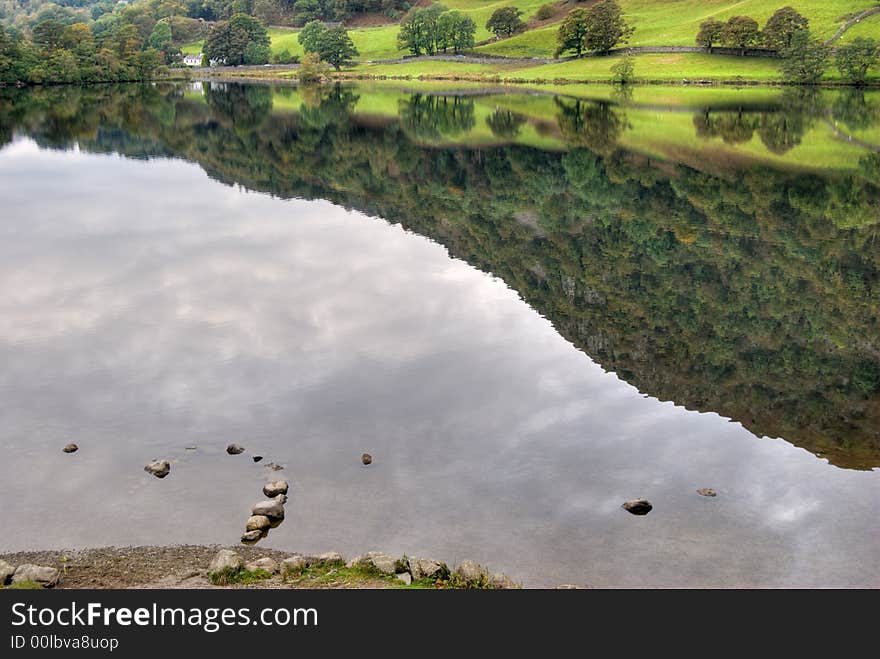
419,30
740,32
310,35
255,53
284,57
606,27
599,28
545,11
455,30
71,54
505,124
854,59
805,60
781,26
336,48
572,33
505,22
228,41
711,32
623,72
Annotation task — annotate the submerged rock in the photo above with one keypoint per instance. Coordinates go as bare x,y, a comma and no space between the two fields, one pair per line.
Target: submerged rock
274,467
272,490
226,559
71,448
250,537
46,576
637,506
6,571
271,508
234,449
265,563
707,492
366,458
258,523
159,468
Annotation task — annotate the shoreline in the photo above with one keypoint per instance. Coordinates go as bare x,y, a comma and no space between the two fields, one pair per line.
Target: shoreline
190,567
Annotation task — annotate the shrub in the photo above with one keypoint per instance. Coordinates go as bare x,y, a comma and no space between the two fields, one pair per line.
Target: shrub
545,11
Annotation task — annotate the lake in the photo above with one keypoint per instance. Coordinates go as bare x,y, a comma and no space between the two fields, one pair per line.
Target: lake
527,306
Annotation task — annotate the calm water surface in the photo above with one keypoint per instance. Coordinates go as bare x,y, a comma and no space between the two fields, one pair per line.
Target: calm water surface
527,309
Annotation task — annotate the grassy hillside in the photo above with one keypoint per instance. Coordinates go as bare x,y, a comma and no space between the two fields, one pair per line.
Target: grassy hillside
676,22
656,22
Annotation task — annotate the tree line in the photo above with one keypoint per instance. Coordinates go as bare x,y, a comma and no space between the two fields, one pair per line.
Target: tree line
58,53
805,59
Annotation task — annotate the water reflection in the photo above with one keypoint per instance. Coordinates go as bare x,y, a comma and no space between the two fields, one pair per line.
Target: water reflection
138,322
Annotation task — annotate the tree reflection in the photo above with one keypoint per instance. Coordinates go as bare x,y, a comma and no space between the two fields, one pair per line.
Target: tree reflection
504,123
429,117
595,125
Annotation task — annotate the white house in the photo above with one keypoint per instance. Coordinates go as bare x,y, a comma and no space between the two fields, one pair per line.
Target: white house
192,60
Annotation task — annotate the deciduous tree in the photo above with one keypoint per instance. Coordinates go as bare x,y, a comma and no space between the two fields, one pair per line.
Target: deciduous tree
781,26
710,33
505,22
854,59
740,32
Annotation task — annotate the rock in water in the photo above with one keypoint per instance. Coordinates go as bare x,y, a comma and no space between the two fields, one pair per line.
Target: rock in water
226,559
250,537
258,523
638,506
265,563
159,468
234,449
706,492
257,458
6,571
272,508
272,490
47,576
366,458
71,448
274,467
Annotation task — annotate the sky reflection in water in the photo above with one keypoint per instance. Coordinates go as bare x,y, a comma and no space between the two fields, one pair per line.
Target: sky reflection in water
145,308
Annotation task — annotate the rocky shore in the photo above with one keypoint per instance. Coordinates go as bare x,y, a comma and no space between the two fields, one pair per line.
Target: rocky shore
196,566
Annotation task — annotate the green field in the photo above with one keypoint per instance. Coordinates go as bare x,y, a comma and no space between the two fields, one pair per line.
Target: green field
676,22
657,23
673,67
